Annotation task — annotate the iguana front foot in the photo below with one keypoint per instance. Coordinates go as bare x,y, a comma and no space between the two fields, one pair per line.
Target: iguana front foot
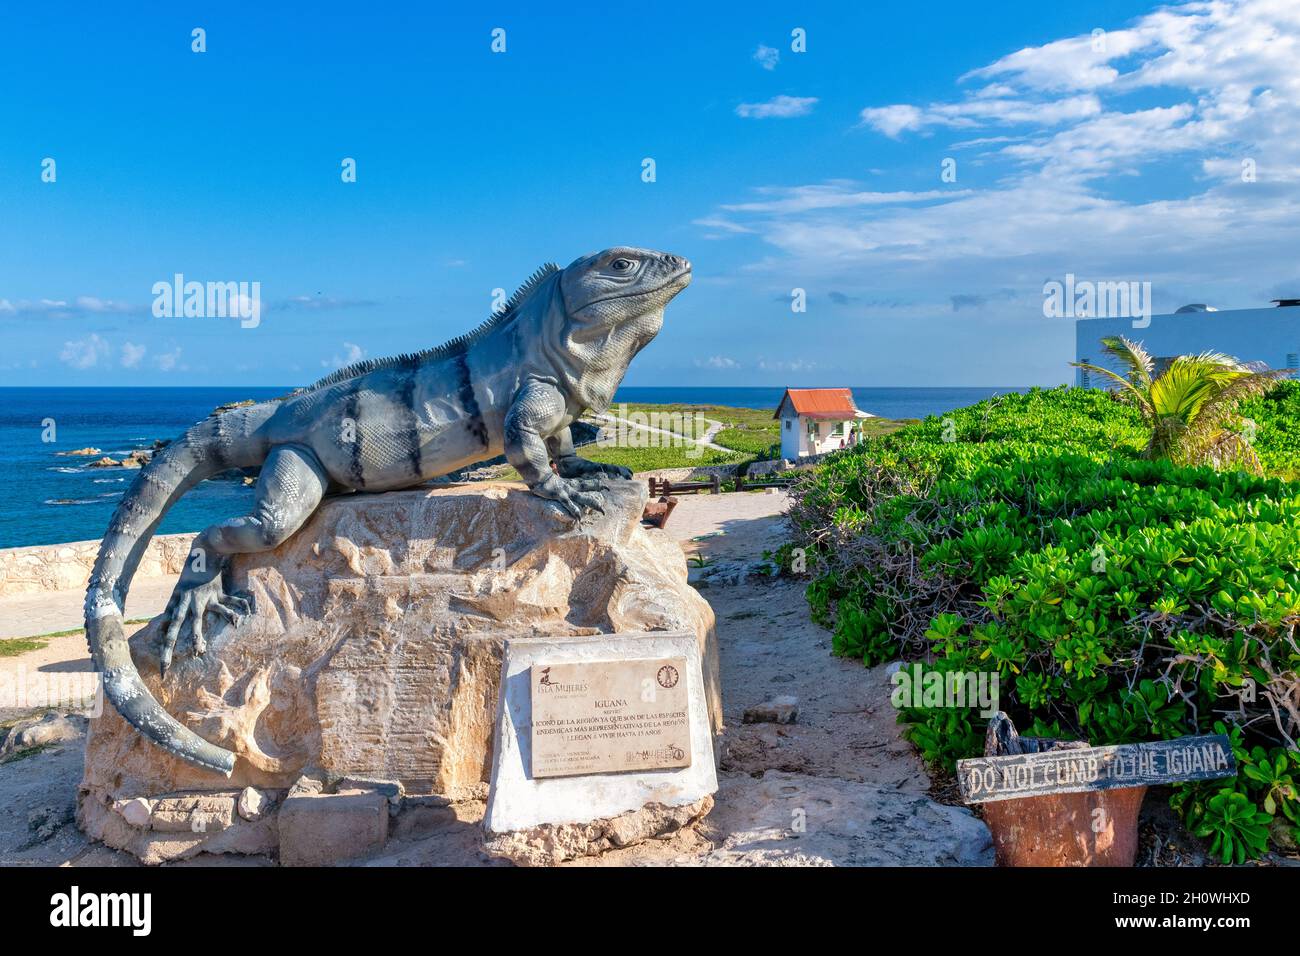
571,494
575,467
193,597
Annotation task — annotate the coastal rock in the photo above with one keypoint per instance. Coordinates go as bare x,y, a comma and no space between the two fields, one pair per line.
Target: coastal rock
374,651
81,452
105,462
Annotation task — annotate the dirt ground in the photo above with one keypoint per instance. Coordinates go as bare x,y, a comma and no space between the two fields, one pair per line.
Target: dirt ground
844,750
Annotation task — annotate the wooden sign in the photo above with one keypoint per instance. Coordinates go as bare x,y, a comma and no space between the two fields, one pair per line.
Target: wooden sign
609,717
1081,769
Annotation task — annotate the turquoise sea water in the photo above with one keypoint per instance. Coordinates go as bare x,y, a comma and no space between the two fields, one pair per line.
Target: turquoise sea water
47,498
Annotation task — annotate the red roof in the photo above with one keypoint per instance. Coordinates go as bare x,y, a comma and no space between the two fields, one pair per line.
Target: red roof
836,403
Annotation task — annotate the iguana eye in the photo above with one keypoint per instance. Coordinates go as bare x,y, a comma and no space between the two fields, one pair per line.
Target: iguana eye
622,265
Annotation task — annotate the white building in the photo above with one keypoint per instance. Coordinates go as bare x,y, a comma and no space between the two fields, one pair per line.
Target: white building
1267,336
817,420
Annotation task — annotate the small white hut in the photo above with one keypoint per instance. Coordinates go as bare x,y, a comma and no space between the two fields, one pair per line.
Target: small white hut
818,420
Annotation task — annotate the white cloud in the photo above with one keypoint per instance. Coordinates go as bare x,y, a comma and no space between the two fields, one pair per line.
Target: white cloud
351,353
838,194
979,111
169,361
94,304
779,107
797,365
1077,173
717,361
82,305
132,354
767,57
84,353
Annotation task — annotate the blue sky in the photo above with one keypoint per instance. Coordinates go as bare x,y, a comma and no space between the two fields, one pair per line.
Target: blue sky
775,170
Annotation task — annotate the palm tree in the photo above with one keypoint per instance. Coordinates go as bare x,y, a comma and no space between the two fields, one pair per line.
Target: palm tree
1191,404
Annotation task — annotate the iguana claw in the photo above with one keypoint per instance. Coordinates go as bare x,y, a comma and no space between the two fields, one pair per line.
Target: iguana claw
190,601
572,494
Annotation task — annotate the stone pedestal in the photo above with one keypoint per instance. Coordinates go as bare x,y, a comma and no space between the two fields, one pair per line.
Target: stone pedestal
374,650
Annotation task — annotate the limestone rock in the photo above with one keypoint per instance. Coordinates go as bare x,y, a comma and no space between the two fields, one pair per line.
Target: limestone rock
177,826
374,650
796,820
50,729
136,812
318,829
253,803
778,710
549,845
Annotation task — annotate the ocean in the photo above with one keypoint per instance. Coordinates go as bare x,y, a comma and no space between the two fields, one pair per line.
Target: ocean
49,498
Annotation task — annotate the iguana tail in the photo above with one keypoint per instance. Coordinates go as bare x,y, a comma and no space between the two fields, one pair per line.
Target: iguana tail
210,447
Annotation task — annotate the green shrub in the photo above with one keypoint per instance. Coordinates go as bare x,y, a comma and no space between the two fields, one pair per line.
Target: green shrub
1118,599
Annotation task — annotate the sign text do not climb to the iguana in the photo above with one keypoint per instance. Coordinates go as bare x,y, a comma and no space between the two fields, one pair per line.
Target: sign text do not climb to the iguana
1080,769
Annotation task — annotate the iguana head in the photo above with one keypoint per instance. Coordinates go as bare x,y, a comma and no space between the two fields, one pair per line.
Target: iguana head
622,285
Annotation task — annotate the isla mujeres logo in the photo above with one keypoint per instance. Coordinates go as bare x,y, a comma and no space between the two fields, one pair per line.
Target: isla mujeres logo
546,685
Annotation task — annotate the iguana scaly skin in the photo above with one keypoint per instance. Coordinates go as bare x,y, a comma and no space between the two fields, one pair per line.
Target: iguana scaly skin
560,346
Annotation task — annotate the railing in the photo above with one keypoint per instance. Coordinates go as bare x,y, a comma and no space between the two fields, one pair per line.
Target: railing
662,486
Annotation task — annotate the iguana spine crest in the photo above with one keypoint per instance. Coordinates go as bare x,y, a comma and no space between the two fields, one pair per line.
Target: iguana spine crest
458,344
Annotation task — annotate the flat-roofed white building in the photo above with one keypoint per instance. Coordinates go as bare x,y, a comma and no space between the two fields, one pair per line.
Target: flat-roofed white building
1268,337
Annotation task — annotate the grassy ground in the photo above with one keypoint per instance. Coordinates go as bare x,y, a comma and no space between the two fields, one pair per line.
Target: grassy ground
752,434
13,646
750,430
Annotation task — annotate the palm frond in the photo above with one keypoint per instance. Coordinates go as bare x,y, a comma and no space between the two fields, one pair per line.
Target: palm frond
1133,356
1119,383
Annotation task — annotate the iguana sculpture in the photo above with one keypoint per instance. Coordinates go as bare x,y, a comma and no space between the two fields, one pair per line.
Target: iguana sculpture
559,347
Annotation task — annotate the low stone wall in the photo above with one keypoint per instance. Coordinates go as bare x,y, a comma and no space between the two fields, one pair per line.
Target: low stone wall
783,464
62,567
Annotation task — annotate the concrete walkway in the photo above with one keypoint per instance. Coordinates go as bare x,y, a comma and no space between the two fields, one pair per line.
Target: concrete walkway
48,612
